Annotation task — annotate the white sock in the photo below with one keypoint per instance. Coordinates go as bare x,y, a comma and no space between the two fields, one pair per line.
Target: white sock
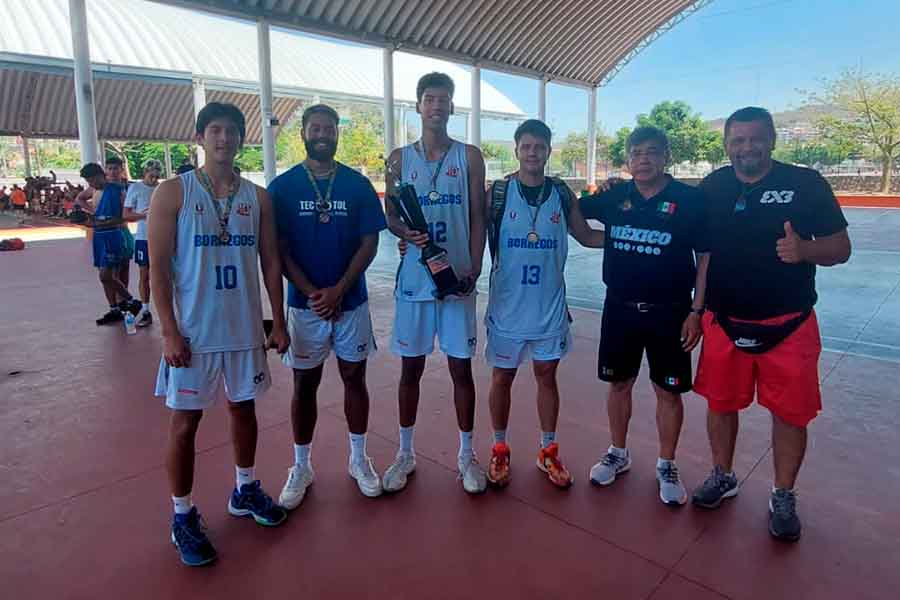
406,439
357,447
499,436
145,307
547,438
183,504
245,475
301,453
465,444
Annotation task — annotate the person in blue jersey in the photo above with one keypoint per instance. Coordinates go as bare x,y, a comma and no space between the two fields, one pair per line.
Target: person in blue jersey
103,200
209,231
114,167
654,267
448,177
328,218
529,217
137,205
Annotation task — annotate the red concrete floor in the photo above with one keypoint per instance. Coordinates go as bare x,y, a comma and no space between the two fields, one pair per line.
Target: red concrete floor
85,511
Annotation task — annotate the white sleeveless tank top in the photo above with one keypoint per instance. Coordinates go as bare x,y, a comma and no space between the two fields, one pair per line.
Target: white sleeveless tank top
216,285
528,286
448,218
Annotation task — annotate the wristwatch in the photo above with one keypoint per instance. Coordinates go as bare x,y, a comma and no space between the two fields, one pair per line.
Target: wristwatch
698,311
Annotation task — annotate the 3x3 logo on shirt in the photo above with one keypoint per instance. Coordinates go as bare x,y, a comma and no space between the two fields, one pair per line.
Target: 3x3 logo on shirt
776,197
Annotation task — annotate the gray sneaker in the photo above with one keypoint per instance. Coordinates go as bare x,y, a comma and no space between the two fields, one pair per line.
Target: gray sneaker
671,490
397,475
474,479
784,524
717,487
611,465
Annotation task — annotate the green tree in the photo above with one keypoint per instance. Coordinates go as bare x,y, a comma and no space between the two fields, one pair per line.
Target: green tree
868,116
617,147
825,152
574,149
249,159
690,139
137,153
494,151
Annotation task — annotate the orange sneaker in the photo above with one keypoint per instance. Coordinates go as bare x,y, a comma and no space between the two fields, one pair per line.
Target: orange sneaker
498,470
548,462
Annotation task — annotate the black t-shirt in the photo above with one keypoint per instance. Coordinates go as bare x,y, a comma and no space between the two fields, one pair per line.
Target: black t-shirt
650,243
746,278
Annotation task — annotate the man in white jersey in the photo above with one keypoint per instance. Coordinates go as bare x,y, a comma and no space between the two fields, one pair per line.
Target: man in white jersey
208,232
529,217
448,177
137,205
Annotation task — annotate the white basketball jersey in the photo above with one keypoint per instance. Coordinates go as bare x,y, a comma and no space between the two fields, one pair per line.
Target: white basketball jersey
528,285
216,284
448,218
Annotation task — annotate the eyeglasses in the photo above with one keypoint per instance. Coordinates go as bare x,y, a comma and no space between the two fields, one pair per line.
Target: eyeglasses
651,154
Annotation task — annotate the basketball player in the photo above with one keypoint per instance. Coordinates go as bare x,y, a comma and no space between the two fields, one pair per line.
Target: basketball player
529,218
208,232
448,177
328,218
137,204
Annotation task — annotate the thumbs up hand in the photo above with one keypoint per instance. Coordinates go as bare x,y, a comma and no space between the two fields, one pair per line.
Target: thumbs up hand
791,248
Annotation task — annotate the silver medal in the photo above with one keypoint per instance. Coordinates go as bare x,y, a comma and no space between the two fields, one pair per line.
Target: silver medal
533,236
434,196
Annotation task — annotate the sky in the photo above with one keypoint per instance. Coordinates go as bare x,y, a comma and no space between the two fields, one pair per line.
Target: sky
729,54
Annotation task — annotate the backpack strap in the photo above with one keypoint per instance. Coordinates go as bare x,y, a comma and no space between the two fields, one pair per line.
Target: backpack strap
496,210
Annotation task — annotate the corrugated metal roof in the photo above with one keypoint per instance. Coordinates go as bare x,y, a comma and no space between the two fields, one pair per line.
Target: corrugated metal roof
148,35
579,41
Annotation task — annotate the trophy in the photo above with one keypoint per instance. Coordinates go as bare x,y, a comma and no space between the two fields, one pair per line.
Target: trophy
405,201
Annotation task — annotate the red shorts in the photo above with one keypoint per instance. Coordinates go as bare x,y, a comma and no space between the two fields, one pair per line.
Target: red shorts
785,378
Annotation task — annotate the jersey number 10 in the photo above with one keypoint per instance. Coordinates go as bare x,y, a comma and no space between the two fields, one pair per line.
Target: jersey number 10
226,277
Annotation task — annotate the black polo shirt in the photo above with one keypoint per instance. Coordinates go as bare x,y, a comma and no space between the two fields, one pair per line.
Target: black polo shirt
746,278
650,243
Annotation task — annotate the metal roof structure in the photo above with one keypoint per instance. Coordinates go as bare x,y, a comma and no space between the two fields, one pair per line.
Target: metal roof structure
581,42
145,63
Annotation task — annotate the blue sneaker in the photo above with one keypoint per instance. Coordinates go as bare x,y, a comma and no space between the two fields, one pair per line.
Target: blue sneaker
252,501
189,537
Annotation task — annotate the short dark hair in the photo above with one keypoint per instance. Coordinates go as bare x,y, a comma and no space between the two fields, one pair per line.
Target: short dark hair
434,80
114,160
749,114
222,110
646,133
534,127
91,170
322,109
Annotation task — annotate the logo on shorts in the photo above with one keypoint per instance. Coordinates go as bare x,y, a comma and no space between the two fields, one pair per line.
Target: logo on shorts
671,381
747,343
187,391
259,378
243,209
472,342
606,371
362,347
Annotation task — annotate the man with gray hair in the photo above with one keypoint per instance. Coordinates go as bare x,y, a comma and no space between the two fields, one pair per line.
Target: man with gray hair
137,205
654,268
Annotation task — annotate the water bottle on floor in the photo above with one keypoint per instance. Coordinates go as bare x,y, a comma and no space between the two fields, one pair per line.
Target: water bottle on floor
130,327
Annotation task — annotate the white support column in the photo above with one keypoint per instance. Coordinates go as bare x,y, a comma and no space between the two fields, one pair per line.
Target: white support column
84,83
475,116
265,99
542,100
26,154
168,157
592,137
389,144
400,140
199,103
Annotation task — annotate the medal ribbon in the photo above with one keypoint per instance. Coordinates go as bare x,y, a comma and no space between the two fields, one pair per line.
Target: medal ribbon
541,199
437,171
203,178
322,204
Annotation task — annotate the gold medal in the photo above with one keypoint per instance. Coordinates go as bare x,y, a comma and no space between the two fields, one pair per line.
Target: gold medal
224,238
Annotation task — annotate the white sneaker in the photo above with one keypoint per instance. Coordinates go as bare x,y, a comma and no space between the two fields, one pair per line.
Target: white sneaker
612,464
299,478
472,474
397,475
366,477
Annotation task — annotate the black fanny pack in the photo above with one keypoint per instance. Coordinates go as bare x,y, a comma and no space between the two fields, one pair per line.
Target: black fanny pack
757,338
